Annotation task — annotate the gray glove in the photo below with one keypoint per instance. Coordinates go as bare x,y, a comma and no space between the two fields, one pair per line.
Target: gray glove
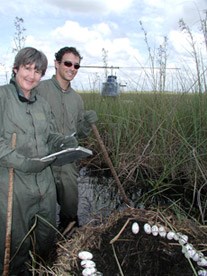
91,116
24,164
69,142
34,165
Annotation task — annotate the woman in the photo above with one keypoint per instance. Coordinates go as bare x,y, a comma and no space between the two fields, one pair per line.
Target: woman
28,115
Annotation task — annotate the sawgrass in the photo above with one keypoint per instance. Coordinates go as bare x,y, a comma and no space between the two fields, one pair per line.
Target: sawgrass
157,142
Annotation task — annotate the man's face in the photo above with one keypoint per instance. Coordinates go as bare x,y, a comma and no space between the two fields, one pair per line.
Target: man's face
68,68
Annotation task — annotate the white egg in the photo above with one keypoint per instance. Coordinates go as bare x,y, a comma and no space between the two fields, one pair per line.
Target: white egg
190,253
85,255
188,246
162,231
202,262
155,230
201,255
176,237
183,239
147,228
170,235
87,263
202,272
187,254
184,249
89,271
135,228
188,250
196,257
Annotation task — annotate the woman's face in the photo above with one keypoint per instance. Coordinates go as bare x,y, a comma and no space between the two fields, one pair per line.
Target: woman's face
27,78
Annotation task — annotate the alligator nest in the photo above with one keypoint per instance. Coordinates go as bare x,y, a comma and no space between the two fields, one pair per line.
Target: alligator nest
118,251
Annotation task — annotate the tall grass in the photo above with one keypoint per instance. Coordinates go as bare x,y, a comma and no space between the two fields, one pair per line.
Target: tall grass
157,143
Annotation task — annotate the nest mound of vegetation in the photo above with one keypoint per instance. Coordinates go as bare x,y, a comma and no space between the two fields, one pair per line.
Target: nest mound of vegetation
118,251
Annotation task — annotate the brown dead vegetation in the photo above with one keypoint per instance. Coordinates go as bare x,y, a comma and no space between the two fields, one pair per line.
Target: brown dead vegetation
117,251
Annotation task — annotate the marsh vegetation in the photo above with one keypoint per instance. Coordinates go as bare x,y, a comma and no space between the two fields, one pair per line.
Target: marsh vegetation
157,143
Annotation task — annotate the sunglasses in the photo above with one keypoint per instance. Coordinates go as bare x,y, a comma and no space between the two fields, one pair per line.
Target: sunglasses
70,64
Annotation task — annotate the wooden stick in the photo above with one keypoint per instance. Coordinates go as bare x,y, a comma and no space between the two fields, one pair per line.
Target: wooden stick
9,215
108,160
120,232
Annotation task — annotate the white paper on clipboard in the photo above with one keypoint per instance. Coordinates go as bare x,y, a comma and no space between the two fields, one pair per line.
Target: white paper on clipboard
68,155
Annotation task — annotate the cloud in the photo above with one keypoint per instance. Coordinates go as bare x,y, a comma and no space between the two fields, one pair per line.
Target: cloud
182,43
95,38
163,16
93,6
74,31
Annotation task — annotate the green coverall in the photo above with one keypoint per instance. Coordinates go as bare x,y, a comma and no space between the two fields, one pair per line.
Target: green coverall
34,194
68,110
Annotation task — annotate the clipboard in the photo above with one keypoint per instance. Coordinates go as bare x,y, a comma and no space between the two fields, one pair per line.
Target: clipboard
68,155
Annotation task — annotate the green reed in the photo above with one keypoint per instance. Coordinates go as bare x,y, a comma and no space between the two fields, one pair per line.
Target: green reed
157,143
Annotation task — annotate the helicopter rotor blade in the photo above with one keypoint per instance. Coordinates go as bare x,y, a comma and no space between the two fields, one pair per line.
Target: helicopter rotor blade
129,67
97,66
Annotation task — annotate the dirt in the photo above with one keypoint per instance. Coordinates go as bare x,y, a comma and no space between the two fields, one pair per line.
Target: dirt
118,251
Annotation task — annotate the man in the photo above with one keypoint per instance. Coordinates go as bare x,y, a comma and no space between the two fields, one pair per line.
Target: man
68,108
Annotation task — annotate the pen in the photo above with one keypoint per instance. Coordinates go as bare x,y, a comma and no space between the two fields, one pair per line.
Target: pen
73,134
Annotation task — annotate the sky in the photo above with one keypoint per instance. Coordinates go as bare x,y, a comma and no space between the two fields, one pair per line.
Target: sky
96,27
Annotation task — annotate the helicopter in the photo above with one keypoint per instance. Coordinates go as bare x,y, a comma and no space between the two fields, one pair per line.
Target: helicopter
110,87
